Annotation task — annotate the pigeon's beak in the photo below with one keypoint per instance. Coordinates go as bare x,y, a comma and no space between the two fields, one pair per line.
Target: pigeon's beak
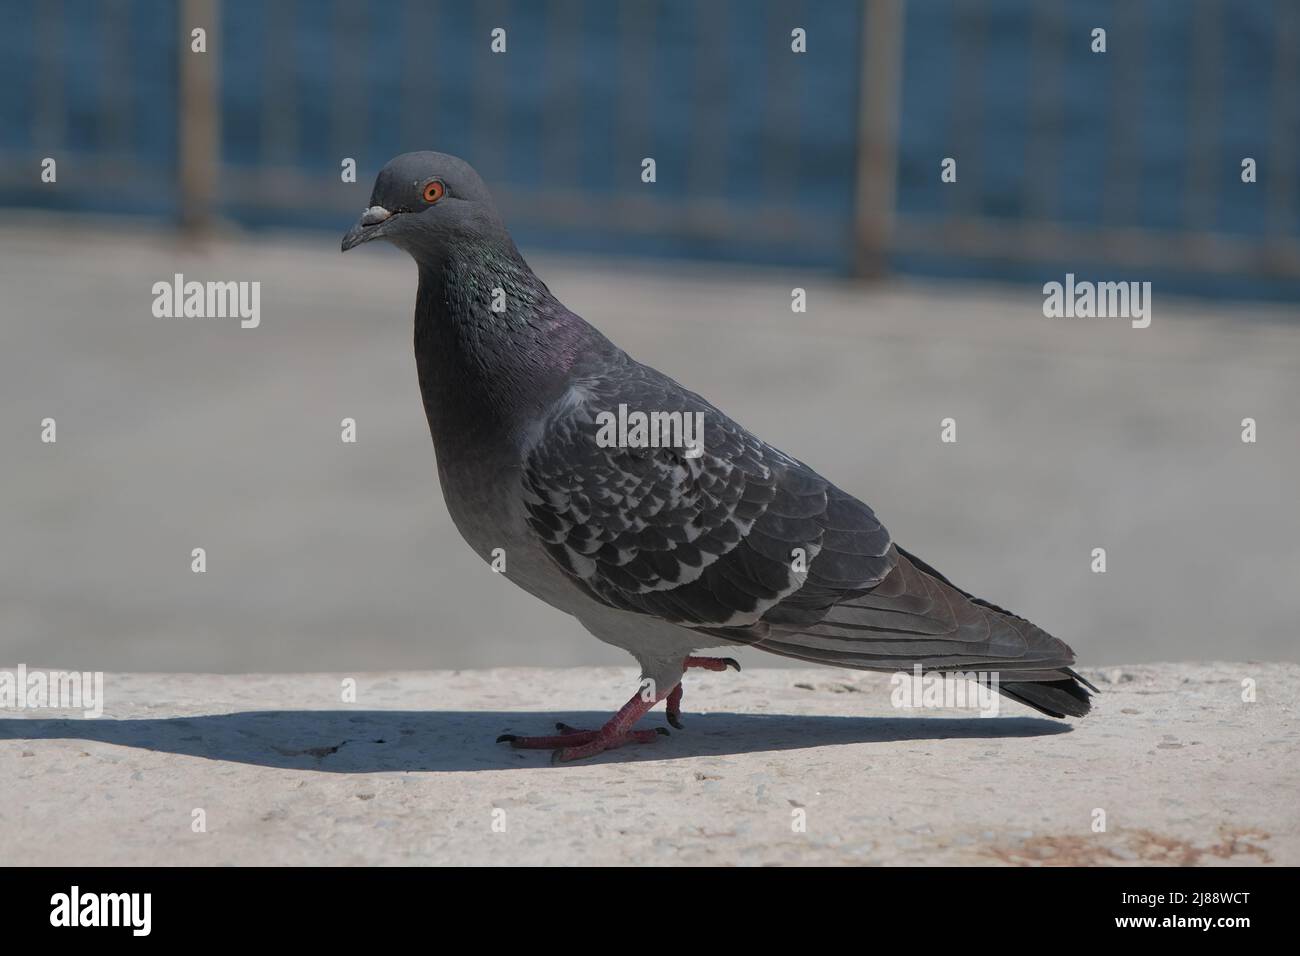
369,226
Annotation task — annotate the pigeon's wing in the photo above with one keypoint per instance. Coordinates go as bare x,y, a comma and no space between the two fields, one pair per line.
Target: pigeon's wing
714,540
748,544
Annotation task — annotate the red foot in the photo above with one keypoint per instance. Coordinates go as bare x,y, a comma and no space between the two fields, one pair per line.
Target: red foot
712,663
674,705
572,736
574,744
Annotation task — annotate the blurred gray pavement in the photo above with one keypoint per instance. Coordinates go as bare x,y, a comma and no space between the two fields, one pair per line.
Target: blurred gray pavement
322,556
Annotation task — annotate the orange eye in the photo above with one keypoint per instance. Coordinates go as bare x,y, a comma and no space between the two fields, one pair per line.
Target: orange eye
433,191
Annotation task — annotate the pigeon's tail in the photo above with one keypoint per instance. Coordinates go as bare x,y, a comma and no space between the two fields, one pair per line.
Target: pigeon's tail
1058,698
917,617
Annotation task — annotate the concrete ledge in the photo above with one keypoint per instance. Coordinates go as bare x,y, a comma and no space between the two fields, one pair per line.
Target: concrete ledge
285,773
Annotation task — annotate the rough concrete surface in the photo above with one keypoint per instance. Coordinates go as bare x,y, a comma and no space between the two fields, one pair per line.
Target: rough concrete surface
1185,771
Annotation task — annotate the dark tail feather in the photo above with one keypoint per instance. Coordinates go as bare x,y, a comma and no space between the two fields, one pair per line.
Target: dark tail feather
1058,698
916,617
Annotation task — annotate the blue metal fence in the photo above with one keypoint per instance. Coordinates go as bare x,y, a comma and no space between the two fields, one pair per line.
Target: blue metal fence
1128,159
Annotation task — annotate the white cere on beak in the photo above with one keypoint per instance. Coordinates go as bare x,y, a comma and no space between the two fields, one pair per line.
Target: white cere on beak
374,215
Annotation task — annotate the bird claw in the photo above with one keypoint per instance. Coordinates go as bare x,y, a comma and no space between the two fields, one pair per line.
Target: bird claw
570,743
674,706
598,744
712,663
571,739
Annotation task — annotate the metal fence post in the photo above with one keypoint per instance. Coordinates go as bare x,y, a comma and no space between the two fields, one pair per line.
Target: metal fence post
879,98
199,117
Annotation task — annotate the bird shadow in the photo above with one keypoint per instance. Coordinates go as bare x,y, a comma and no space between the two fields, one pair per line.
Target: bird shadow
381,741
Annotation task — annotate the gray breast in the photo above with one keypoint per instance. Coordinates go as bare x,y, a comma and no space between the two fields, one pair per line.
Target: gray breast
484,501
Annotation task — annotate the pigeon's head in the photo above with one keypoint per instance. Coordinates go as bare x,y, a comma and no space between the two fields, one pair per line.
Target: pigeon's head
427,203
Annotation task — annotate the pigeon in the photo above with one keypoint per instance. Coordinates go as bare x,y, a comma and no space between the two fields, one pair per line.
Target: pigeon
659,542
